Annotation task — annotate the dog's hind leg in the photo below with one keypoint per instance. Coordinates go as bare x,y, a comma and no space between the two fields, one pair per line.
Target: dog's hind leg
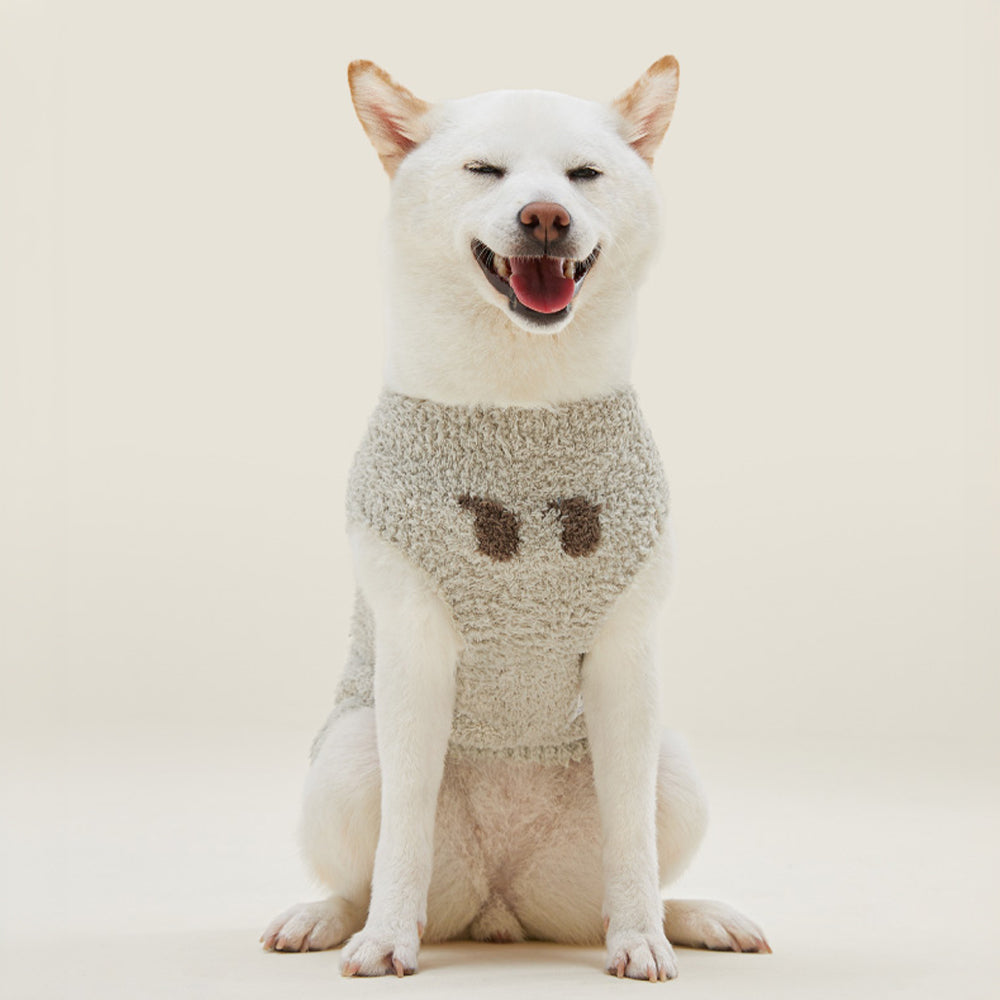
681,809
338,833
705,923
317,926
681,818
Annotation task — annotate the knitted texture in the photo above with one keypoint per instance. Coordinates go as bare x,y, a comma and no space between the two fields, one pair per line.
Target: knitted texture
529,523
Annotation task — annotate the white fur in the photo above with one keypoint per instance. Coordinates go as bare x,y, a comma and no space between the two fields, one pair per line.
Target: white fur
451,336
406,841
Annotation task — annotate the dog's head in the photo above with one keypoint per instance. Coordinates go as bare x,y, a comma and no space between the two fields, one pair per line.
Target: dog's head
528,202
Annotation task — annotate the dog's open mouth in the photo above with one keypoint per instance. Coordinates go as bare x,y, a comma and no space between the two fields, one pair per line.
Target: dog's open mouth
541,286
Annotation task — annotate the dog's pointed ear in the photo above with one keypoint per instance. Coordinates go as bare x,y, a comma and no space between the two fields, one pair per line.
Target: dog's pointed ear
394,119
648,105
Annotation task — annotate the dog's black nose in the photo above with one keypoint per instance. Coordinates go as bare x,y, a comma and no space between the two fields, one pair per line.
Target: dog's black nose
547,221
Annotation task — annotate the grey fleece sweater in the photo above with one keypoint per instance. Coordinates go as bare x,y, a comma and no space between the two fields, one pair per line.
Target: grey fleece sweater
528,523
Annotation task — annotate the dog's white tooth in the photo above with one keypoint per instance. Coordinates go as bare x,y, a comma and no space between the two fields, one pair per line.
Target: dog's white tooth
501,266
569,267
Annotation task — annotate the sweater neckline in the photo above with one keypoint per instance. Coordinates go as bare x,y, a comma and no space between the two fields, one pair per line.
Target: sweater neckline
625,394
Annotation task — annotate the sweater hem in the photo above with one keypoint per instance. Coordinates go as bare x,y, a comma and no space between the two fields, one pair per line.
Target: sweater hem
566,753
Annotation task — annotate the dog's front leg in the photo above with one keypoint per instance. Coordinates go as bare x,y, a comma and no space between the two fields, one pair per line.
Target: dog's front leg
621,701
416,648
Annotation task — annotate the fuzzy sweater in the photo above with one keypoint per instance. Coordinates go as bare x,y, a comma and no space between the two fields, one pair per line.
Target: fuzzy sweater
529,523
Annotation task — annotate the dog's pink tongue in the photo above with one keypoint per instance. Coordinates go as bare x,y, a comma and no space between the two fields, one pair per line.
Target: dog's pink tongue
539,284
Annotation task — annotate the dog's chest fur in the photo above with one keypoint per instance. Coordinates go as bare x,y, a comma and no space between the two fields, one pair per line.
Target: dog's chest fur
529,523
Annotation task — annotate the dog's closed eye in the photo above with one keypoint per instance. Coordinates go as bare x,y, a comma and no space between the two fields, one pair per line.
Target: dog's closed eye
486,169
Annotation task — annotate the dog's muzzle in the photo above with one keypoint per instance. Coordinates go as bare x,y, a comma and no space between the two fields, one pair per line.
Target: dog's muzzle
540,285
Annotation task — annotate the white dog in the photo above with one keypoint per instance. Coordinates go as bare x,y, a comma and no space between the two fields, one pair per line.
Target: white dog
494,768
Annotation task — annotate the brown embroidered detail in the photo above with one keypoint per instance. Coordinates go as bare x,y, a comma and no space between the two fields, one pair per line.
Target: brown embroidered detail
581,527
496,527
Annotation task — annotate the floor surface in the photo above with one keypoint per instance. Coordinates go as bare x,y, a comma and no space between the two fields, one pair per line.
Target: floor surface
145,866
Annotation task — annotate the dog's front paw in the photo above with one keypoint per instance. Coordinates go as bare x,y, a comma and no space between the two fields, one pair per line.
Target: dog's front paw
641,955
376,951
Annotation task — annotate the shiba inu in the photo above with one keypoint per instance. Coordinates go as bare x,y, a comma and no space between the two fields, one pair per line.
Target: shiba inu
494,766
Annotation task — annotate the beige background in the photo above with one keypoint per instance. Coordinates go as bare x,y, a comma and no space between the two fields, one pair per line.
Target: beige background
190,343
